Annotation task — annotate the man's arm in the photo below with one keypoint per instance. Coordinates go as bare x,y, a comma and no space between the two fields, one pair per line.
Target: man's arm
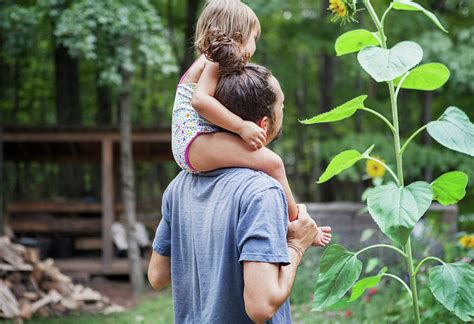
268,285
159,271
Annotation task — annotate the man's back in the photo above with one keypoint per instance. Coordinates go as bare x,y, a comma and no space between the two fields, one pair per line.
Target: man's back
211,223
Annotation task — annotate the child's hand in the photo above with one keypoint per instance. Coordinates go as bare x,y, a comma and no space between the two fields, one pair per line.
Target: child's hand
254,135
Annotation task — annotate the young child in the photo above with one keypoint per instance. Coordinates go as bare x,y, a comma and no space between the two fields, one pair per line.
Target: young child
196,112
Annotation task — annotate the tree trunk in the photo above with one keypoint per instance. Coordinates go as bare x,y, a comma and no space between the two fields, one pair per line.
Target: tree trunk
16,89
2,186
68,109
68,113
104,106
301,100
326,81
128,185
191,18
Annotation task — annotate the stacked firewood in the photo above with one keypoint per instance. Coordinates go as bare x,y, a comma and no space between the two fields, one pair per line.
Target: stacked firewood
29,286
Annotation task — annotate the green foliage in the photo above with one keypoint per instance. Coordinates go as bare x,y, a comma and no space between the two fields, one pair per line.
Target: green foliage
429,76
341,112
339,271
355,40
452,284
362,285
450,188
457,52
387,64
396,210
117,35
454,130
17,28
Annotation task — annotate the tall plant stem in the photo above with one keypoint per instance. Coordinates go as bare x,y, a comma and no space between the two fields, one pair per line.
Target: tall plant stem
396,137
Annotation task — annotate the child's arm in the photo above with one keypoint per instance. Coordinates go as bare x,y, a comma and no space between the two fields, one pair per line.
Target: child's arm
211,109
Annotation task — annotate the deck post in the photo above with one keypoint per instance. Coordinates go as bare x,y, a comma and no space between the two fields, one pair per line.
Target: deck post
107,203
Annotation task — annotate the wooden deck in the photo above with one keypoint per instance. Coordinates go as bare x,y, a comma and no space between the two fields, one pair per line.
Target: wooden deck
80,267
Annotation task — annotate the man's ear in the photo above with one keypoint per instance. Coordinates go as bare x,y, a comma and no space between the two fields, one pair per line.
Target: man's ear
264,123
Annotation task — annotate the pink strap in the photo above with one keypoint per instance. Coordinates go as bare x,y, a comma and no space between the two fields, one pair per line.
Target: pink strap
187,71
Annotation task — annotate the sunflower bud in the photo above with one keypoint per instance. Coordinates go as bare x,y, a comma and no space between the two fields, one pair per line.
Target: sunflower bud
343,10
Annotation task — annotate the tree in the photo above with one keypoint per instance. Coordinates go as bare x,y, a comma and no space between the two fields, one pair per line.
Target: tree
134,30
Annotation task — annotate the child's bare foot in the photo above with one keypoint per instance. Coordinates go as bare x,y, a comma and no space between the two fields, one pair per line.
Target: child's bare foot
323,237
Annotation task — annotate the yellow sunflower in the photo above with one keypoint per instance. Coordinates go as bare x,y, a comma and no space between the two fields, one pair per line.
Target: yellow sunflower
343,10
375,169
467,241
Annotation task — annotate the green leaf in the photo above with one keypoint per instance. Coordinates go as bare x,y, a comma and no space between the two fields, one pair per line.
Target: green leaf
413,6
427,77
354,41
371,264
340,305
450,188
339,163
339,270
396,210
362,285
341,112
452,285
454,130
387,64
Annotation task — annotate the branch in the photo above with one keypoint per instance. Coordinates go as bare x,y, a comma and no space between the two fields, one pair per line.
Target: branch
400,280
424,260
381,117
411,138
382,245
386,167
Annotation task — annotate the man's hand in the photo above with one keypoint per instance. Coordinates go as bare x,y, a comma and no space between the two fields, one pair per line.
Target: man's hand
302,232
254,135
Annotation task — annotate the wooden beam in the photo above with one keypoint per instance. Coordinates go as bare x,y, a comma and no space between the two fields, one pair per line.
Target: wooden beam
93,266
107,202
70,207
55,225
161,137
50,207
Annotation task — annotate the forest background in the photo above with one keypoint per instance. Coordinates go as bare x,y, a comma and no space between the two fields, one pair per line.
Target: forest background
47,82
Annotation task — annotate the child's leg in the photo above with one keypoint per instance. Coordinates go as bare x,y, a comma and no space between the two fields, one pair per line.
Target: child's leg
223,150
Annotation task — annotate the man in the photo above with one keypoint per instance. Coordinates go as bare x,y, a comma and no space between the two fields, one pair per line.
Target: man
224,241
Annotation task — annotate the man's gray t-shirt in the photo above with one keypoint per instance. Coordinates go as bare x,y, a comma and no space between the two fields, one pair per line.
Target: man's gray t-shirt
211,223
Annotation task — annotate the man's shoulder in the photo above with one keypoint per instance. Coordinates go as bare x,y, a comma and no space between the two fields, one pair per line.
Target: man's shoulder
252,180
248,180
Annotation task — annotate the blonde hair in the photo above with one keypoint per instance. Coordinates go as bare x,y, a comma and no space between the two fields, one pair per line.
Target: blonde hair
230,17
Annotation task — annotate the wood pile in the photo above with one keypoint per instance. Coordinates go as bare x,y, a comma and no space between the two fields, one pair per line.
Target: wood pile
29,286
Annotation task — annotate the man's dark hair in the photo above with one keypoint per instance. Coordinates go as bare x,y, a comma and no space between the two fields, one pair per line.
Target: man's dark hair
248,93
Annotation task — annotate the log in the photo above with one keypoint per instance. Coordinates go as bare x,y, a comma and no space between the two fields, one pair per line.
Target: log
8,302
52,297
30,287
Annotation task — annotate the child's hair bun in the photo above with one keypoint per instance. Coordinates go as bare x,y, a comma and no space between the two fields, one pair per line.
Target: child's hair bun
227,51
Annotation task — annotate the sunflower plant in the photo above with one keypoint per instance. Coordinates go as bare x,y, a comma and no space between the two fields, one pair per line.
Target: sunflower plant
396,207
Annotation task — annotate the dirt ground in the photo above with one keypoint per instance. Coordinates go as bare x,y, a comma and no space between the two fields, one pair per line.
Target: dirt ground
118,289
